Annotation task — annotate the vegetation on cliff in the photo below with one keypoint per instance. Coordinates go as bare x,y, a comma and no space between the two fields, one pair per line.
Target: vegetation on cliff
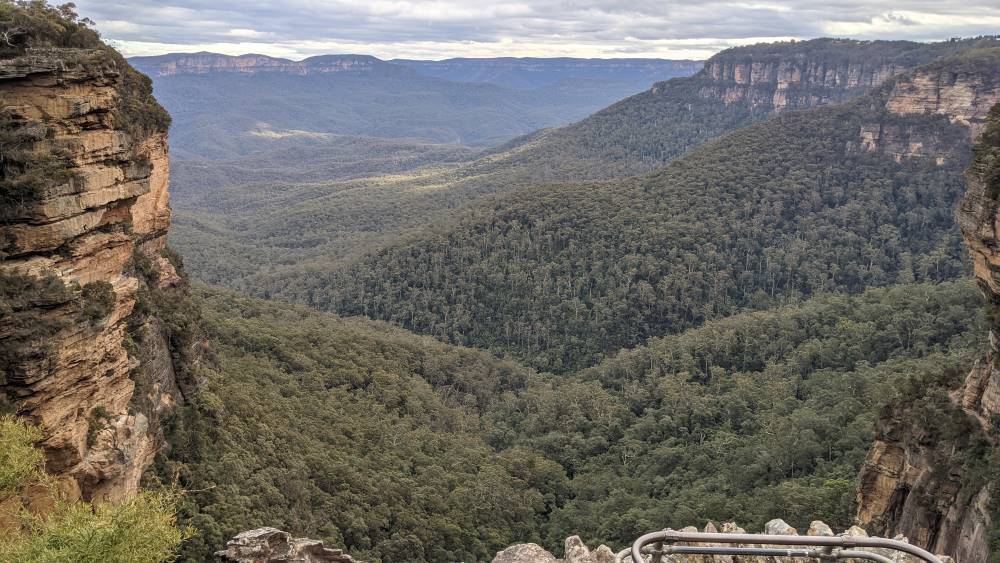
34,24
141,529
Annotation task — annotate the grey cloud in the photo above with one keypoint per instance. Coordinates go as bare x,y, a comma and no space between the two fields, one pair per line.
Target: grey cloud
611,26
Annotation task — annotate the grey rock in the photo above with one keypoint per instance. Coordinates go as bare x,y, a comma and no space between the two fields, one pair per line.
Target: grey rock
780,528
524,553
271,545
818,528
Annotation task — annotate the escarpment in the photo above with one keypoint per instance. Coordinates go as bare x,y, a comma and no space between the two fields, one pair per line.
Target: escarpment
776,85
203,63
961,89
928,474
796,75
83,227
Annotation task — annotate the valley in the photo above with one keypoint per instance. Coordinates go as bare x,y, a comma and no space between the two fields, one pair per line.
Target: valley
464,309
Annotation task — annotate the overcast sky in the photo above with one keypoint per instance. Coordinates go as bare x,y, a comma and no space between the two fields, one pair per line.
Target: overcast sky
439,29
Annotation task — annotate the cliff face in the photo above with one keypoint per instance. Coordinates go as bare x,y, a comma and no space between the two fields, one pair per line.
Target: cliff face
775,77
782,84
964,97
917,481
86,203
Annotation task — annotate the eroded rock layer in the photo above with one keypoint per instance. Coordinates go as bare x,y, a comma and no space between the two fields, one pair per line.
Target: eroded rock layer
85,181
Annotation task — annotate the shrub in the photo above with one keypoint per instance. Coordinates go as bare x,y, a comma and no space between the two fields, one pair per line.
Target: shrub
140,529
97,300
96,422
20,461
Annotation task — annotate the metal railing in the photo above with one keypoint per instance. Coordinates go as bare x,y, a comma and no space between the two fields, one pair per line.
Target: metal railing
824,548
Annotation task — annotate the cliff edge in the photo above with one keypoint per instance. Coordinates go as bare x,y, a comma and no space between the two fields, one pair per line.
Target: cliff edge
83,223
928,474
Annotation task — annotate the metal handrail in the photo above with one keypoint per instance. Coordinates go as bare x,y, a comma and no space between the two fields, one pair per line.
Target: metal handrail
825,553
842,543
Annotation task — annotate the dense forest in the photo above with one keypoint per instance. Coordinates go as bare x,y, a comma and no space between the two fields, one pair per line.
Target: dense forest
400,448
561,275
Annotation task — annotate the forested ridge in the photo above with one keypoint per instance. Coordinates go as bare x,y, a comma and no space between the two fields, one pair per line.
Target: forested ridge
397,447
285,228
561,275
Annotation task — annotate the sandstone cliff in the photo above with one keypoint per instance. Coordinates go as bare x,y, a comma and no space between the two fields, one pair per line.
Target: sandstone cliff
83,226
783,76
779,85
927,475
963,93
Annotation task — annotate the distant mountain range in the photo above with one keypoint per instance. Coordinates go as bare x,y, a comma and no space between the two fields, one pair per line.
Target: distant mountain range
226,107
205,63
529,73
509,72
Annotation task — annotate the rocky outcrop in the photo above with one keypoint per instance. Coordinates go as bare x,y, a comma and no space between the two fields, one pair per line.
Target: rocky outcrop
574,551
86,177
775,77
270,545
779,76
577,552
963,97
203,63
916,480
776,85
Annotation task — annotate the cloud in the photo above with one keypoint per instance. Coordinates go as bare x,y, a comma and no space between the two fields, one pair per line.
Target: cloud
449,28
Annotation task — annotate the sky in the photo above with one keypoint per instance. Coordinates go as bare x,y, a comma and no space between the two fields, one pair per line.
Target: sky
437,29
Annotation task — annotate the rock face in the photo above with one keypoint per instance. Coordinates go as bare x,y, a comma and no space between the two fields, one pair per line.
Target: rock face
267,545
577,552
777,77
776,85
780,76
90,170
907,486
964,97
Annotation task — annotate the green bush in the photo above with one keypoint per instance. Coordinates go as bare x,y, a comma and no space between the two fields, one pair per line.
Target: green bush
26,174
34,24
140,529
96,422
21,299
97,300
20,461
